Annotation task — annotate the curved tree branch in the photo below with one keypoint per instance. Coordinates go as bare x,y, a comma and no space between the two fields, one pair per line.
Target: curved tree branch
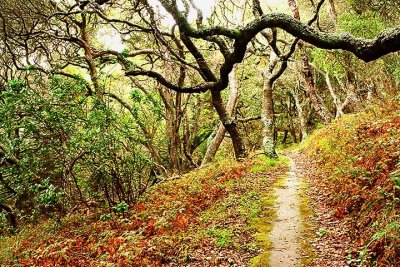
367,50
200,88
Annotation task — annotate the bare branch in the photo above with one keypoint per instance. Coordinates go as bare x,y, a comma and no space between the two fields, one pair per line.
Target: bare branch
201,88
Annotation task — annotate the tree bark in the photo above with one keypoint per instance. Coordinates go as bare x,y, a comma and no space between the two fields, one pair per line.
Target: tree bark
231,110
11,216
307,74
332,11
285,135
301,113
173,122
291,108
340,105
267,112
230,125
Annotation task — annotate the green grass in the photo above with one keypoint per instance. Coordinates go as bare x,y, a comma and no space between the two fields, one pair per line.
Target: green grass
263,163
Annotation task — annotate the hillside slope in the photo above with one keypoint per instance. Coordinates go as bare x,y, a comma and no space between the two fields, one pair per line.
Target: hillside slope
212,216
221,215
358,169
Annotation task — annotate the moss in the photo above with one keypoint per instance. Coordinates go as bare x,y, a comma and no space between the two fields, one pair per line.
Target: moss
264,223
258,169
263,226
264,163
307,226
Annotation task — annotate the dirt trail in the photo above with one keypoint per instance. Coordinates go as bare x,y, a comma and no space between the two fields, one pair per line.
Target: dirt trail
285,233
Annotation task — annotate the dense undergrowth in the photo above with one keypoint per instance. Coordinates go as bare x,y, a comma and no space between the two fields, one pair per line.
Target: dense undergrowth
212,216
359,164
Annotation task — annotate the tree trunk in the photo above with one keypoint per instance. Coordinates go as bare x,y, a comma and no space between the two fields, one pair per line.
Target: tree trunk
230,125
267,112
317,104
319,107
285,135
293,134
11,216
174,113
338,103
291,109
301,115
268,120
186,144
172,129
214,145
220,134
332,11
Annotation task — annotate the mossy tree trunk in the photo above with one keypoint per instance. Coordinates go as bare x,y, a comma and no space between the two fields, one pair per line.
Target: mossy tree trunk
231,110
267,113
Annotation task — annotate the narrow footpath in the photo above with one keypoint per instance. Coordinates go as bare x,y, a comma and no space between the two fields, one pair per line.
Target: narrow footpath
286,231
327,237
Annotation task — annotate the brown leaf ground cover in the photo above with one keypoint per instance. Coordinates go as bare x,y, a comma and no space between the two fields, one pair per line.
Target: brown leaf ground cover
353,173
221,215
326,239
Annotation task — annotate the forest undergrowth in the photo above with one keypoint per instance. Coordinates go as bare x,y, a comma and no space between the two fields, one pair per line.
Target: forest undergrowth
213,216
358,172
219,215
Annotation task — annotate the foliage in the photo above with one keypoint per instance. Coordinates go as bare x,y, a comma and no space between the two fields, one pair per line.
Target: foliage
122,207
388,9
175,220
222,237
359,164
89,135
366,25
67,150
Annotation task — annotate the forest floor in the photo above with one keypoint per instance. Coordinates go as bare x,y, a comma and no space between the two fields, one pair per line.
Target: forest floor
334,202
324,240
260,213
215,216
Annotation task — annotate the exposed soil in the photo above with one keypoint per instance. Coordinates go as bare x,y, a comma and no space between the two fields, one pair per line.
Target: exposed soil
285,234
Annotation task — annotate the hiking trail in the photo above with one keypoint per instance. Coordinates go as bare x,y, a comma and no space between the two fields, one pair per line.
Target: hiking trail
285,234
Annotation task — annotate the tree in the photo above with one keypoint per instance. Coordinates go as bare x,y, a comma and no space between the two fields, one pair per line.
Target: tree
83,121
240,37
230,43
221,131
